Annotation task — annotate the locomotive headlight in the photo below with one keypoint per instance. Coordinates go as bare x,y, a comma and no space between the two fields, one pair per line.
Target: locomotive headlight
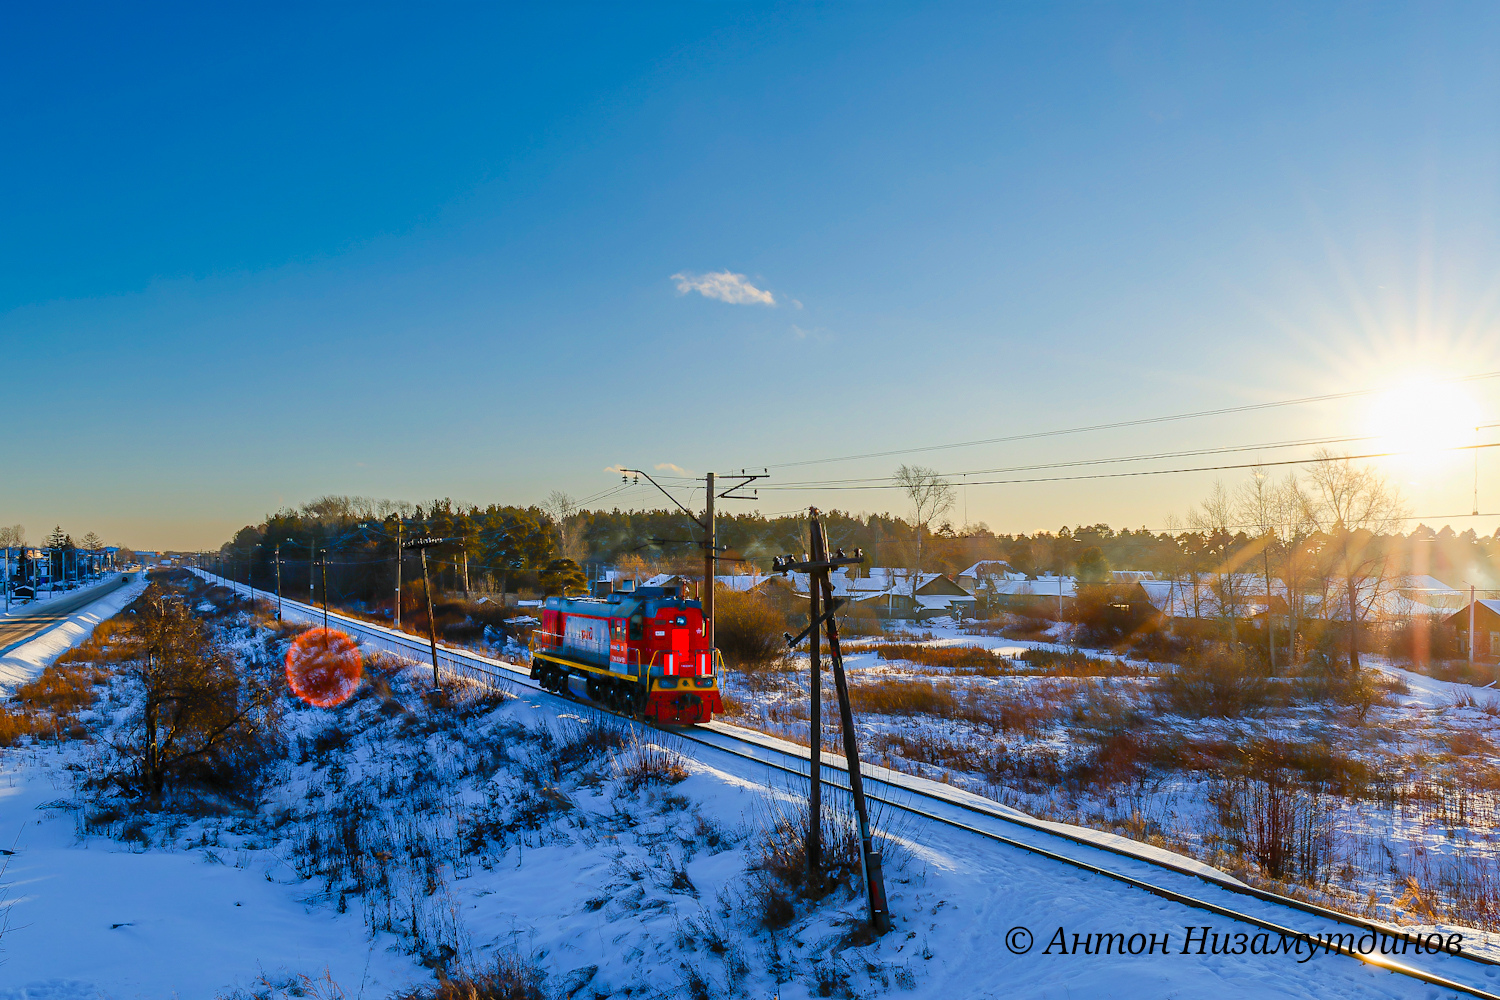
667,682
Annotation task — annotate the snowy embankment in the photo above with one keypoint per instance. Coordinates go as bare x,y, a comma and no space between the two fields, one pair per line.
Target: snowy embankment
24,662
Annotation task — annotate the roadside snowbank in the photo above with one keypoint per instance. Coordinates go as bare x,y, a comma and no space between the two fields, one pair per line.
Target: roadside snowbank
26,661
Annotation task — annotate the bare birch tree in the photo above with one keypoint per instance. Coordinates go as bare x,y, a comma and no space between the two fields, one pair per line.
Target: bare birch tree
930,495
563,507
1352,509
1215,517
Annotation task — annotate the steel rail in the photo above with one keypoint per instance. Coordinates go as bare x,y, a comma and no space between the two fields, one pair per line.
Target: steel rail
509,673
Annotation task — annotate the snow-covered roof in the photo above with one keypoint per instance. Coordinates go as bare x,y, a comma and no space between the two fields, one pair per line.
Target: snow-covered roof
1042,586
1201,599
941,602
1429,584
987,567
743,582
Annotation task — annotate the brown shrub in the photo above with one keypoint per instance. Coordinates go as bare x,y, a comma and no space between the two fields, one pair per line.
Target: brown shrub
108,643
748,630
1217,681
781,853
15,725
1075,663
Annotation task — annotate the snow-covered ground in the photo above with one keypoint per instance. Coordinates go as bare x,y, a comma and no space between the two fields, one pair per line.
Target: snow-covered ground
399,829
1398,806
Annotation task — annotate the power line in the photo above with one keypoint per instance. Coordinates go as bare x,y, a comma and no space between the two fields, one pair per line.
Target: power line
1227,449
1139,422
1148,472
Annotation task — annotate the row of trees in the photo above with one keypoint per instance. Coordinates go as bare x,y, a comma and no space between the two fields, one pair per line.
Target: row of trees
353,543
64,557
1337,522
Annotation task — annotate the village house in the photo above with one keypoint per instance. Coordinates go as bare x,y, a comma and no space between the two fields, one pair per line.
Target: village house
1486,638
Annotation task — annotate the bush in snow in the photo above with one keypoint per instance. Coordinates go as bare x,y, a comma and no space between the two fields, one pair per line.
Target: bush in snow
646,763
748,630
195,715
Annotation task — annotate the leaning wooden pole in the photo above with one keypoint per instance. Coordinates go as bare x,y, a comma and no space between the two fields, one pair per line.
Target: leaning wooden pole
870,860
431,625
815,737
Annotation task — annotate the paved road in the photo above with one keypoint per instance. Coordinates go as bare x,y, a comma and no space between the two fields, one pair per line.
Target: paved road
46,614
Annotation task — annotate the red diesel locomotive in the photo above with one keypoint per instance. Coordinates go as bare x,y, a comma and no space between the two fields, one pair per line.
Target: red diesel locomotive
643,653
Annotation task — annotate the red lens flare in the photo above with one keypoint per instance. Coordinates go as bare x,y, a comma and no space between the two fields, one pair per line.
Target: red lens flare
323,667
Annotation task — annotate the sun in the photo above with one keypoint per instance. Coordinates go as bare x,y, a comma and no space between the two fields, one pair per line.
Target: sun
1421,419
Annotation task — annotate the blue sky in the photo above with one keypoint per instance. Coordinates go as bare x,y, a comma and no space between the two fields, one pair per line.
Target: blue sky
252,255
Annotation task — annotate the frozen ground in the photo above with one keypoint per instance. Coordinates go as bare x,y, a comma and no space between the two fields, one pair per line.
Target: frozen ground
397,831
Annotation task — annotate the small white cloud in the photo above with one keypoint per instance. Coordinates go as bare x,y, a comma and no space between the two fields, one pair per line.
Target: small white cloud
724,286
669,467
816,333
617,469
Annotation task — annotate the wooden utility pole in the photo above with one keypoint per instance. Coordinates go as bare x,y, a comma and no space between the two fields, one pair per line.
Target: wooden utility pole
422,545
431,625
823,605
870,861
710,534
399,522
278,581
464,547
815,738
710,557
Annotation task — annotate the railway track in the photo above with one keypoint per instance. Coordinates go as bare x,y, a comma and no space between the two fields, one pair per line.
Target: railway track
1160,873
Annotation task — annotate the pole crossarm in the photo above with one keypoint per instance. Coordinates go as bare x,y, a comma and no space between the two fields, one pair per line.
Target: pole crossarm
793,641
745,479
694,517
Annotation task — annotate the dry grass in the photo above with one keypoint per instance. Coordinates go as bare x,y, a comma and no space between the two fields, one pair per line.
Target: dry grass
642,764
61,689
47,707
511,978
960,659
106,644
1031,709
903,697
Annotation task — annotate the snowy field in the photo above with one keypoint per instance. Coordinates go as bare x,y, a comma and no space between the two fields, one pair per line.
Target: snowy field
1396,806
401,833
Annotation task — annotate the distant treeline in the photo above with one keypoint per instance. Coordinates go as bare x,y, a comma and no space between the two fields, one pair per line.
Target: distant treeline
532,549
